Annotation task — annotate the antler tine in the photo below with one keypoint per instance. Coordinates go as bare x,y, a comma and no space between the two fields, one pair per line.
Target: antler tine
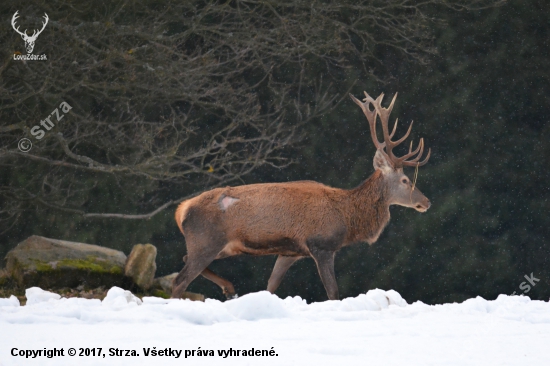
389,109
395,143
423,162
13,19
376,103
43,24
420,148
394,128
46,18
412,153
371,117
384,114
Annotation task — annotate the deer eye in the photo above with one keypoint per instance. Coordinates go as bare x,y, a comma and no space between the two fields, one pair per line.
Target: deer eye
404,181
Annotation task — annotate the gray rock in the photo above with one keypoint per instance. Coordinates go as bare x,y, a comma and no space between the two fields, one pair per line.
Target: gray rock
192,296
165,283
3,277
51,263
141,266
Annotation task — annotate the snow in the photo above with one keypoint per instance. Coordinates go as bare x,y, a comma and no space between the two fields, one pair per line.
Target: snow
35,295
118,298
11,301
378,327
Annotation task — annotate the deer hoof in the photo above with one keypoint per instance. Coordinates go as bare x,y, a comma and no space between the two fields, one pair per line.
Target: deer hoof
231,296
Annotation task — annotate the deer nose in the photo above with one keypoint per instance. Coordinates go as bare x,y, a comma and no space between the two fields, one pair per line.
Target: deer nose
428,203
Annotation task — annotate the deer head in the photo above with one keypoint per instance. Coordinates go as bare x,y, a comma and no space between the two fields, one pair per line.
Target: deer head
400,189
29,40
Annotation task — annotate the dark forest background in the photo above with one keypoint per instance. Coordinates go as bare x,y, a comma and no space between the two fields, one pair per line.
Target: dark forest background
154,85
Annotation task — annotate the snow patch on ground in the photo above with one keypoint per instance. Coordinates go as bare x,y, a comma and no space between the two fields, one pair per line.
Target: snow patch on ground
11,301
118,298
122,305
379,326
36,295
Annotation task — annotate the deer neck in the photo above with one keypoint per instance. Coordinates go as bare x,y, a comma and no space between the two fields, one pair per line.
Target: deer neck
368,207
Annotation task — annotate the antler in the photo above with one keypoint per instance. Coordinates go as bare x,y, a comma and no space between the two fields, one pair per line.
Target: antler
388,144
24,34
13,19
43,26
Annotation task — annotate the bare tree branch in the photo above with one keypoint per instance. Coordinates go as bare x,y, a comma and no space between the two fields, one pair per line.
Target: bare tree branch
170,98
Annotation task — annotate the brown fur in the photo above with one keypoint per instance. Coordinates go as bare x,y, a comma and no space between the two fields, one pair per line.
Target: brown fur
280,218
181,212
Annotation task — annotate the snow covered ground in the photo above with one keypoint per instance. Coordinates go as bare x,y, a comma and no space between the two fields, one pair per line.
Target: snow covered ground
377,328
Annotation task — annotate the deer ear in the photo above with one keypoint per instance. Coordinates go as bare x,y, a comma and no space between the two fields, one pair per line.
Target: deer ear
381,162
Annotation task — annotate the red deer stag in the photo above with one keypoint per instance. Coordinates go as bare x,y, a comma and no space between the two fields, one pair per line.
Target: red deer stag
298,219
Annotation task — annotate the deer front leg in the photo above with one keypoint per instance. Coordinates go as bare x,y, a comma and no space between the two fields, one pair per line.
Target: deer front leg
323,249
281,266
324,259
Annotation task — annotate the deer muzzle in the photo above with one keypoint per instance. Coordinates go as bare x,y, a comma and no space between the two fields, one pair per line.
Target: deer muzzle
423,205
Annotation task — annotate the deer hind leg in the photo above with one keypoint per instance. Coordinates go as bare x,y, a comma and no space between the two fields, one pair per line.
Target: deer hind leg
201,253
226,286
281,266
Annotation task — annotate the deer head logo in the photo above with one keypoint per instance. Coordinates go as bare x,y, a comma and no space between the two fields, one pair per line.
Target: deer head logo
29,40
